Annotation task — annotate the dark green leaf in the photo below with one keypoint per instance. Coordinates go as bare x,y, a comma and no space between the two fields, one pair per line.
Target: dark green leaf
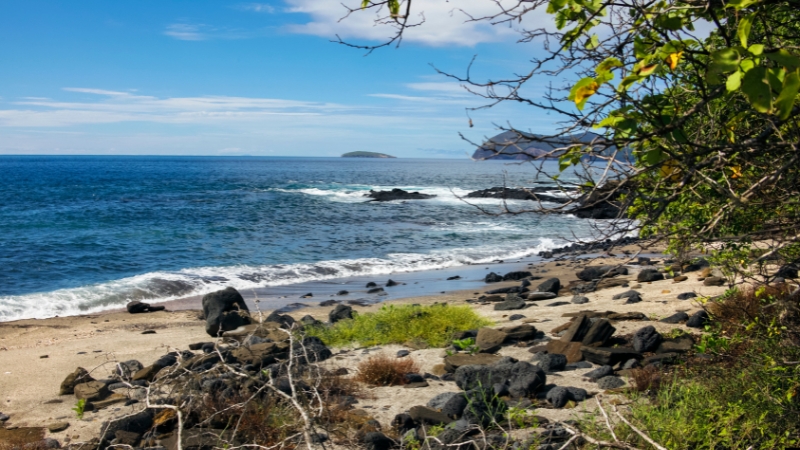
784,58
756,87
786,99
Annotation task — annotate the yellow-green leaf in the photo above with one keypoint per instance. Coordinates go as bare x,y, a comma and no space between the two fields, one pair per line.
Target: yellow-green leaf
592,43
743,31
734,81
756,49
364,4
741,4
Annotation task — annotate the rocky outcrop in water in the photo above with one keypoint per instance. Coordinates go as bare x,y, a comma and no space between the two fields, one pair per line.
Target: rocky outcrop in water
534,194
396,194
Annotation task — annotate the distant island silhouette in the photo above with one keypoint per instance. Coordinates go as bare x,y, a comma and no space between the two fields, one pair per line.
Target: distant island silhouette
366,155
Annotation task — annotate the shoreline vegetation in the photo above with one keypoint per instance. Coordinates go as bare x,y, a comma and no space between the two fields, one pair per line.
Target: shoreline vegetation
578,336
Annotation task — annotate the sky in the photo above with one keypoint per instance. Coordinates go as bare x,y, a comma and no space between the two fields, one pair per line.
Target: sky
201,77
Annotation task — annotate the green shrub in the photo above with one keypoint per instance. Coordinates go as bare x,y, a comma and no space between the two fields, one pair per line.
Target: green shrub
432,326
750,404
748,396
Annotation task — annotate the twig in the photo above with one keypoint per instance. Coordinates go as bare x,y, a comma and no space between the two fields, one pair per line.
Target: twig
639,432
605,416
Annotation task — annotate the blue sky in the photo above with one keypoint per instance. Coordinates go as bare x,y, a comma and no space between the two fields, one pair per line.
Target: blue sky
201,77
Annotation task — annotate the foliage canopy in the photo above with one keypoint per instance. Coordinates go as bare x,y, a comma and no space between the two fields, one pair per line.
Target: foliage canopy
700,96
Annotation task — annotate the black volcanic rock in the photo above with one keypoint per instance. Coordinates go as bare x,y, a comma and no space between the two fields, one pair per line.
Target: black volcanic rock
396,194
517,194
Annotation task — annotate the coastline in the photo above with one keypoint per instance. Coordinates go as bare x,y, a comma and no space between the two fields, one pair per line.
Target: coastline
37,354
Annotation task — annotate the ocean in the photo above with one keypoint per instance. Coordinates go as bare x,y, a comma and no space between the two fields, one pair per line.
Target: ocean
81,234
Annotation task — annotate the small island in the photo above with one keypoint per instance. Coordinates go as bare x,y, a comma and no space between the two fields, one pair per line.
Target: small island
366,155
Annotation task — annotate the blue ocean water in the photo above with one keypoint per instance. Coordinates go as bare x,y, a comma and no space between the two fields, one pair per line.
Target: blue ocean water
86,233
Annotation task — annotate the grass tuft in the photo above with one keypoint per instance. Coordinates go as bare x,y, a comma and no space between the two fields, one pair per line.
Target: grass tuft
431,326
382,370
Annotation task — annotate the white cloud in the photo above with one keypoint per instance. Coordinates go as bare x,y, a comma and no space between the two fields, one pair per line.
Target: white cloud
100,121
445,23
117,106
256,7
89,91
185,32
444,87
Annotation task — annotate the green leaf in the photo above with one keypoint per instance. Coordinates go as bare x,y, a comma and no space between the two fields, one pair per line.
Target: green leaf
743,31
746,64
364,4
555,6
640,48
725,60
756,87
609,122
653,156
592,43
627,82
604,77
734,81
564,162
741,4
672,23
786,99
775,78
607,65
784,58
756,49
561,19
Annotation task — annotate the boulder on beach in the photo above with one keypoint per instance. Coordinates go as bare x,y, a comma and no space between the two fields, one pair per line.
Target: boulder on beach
511,303
80,375
225,310
518,275
142,307
523,379
340,312
550,285
493,278
648,275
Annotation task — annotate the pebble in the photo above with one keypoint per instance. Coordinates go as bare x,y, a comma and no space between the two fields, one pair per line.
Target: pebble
149,332
402,353
4,417
57,426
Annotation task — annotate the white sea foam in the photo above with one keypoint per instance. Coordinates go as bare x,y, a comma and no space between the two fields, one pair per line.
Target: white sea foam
444,194
164,286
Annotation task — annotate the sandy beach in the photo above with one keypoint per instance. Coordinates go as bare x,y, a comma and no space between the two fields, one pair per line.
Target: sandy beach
36,355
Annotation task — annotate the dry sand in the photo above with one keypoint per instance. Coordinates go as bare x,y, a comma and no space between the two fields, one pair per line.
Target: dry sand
36,355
